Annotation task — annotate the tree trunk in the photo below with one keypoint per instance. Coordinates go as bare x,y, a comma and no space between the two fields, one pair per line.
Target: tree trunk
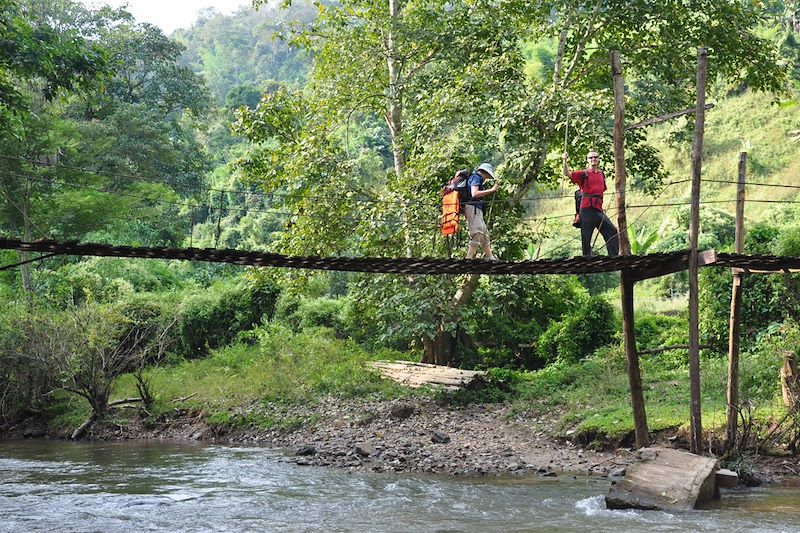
789,383
441,350
83,428
394,116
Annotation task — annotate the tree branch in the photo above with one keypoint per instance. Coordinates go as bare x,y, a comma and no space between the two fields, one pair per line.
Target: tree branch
582,44
672,347
562,42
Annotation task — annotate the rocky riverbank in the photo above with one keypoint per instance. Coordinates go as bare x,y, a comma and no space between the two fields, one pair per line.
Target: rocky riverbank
422,436
409,435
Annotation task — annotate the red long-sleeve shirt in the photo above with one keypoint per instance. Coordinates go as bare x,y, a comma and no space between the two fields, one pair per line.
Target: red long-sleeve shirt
592,184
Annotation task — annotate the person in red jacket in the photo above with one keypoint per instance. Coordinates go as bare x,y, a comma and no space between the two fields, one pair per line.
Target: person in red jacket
592,183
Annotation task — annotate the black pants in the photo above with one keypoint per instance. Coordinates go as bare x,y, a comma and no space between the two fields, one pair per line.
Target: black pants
592,219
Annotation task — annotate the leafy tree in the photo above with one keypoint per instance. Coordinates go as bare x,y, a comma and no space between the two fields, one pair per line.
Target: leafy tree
32,49
449,81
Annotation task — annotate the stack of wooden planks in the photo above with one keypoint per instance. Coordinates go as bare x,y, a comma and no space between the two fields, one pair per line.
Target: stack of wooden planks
413,374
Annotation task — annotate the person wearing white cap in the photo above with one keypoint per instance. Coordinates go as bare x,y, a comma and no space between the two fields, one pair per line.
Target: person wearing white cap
474,208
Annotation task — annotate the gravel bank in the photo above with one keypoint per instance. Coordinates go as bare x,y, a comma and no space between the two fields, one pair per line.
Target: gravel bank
422,436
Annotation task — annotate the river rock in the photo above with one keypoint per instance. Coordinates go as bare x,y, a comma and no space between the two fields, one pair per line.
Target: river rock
402,411
440,437
364,450
306,450
727,479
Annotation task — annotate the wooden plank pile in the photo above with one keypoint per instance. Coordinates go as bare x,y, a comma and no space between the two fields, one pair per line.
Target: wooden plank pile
415,375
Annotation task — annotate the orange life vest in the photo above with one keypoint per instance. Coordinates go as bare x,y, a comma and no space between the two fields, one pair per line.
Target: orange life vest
450,209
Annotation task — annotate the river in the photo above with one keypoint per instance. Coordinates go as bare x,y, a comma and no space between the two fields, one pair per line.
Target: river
155,486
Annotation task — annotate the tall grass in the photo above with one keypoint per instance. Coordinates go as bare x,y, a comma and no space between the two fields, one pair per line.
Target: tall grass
595,396
279,367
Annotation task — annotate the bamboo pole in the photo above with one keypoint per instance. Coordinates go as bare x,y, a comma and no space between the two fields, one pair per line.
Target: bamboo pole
695,443
626,281
732,406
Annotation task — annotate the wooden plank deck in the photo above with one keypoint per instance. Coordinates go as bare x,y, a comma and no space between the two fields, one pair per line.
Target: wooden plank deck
412,374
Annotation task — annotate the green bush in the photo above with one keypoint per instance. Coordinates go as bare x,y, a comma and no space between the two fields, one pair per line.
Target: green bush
105,279
512,312
579,334
301,313
764,298
150,314
789,241
213,318
654,330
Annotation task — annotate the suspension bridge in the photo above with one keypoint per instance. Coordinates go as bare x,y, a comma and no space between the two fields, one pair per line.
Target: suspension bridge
639,267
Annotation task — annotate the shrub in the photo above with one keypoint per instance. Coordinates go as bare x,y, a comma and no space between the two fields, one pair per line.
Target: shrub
510,313
214,317
301,313
654,330
579,334
764,298
104,279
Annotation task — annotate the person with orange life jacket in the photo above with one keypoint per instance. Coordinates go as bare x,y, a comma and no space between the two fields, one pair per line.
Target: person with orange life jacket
471,191
474,209
592,184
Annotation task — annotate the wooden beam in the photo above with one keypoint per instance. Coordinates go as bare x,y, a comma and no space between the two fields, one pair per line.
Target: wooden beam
737,270
664,118
626,283
665,479
696,433
634,374
676,264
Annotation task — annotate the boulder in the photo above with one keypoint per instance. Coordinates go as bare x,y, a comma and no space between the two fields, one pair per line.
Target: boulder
364,450
306,450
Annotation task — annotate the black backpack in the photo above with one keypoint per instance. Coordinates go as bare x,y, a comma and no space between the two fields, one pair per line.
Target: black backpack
460,184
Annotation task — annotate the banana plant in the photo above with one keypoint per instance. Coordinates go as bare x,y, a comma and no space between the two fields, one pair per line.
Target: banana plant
643,241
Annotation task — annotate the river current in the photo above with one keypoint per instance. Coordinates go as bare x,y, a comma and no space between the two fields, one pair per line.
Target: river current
156,486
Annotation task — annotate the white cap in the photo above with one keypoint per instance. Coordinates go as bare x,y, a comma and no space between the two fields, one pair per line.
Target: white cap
486,167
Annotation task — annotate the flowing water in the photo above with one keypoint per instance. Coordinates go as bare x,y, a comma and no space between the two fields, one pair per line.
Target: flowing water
156,486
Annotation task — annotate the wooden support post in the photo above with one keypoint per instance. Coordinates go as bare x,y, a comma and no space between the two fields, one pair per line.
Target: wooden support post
626,280
736,309
696,439
620,176
632,357
219,218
